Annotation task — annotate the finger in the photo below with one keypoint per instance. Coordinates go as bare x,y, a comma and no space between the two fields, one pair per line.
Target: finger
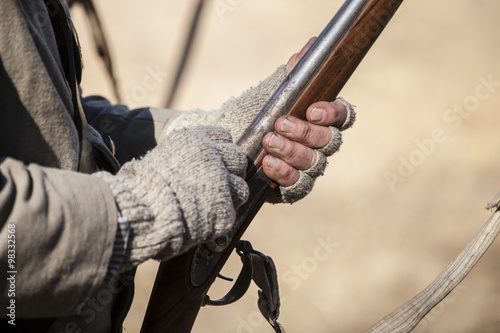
327,114
279,171
303,132
292,153
306,47
294,59
239,190
234,158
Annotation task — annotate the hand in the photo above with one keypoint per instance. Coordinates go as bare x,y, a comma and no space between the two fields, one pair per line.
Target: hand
294,59
181,193
298,149
294,144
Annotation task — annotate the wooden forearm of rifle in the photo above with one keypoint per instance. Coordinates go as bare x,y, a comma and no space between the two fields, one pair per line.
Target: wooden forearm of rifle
179,292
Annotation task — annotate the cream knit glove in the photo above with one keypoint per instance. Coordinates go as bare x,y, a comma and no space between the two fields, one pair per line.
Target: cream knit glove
181,193
307,177
237,113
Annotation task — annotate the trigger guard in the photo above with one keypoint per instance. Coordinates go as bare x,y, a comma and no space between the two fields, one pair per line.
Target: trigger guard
242,283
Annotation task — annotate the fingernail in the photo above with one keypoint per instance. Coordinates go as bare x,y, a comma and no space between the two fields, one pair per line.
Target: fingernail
275,142
273,163
317,114
287,126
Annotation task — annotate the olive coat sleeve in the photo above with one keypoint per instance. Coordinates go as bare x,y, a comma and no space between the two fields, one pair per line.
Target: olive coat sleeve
64,222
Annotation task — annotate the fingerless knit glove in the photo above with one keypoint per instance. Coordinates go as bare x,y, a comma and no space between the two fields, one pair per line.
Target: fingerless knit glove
307,177
181,193
237,113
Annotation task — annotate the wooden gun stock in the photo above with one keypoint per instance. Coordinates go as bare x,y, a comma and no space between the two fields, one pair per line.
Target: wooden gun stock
182,283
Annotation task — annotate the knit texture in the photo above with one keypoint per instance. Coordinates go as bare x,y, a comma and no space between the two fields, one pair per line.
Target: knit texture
182,193
237,113
351,114
304,185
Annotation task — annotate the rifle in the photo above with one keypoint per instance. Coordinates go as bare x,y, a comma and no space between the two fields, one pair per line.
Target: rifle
182,283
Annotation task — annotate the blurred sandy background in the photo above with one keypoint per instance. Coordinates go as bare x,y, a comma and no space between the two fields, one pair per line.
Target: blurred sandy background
387,242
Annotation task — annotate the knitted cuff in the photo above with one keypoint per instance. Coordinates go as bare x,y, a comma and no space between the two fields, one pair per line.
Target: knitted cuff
147,236
334,144
293,193
307,177
120,246
351,114
319,167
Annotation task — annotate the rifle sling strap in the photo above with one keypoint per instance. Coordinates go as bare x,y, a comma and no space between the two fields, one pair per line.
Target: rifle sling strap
261,269
265,277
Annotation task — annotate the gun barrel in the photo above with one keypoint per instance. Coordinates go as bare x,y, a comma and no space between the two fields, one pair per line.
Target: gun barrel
287,94
320,75
323,70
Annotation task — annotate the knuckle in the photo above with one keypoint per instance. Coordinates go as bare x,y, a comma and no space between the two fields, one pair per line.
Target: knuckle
291,150
331,113
283,173
286,175
306,133
309,133
313,158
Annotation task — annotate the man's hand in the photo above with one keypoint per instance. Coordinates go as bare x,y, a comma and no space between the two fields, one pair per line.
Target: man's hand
294,59
181,193
291,146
